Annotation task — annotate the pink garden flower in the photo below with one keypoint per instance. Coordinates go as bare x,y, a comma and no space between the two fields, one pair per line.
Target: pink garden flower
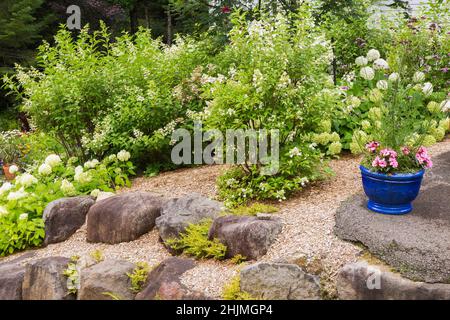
393,162
406,151
372,146
378,162
388,153
423,158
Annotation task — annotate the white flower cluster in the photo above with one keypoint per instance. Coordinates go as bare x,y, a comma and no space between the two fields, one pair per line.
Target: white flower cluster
123,155
26,180
367,72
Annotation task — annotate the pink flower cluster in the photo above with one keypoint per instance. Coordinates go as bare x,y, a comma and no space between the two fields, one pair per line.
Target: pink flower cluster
423,158
372,146
387,157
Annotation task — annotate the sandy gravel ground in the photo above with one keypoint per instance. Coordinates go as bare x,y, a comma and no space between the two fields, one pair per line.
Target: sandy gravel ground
307,237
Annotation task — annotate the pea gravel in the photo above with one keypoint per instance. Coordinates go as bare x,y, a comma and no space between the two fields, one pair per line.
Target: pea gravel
307,237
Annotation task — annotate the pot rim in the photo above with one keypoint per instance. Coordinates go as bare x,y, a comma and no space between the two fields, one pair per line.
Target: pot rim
394,177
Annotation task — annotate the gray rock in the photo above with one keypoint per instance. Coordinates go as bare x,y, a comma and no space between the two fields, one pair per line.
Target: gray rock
178,213
279,281
163,282
64,216
361,281
44,280
106,277
11,279
124,217
416,244
250,237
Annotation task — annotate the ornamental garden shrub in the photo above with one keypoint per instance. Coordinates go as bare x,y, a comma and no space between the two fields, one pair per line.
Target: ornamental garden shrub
98,96
23,201
273,75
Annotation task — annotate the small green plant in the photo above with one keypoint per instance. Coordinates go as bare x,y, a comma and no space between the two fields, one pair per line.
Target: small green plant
112,295
73,277
194,242
238,259
97,255
139,276
252,210
232,291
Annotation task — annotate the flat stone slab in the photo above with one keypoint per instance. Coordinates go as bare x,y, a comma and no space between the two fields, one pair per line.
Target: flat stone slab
440,174
416,244
363,281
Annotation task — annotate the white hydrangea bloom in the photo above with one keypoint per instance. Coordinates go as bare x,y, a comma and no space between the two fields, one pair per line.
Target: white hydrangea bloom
123,155
53,160
361,61
23,216
295,152
373,55
26,180
17,195
91,164
445,106
427,88
67,188
44,169
95,193
418,77
382,85
380,64
393,77
3,211
5,187
13,169
83,177
367,73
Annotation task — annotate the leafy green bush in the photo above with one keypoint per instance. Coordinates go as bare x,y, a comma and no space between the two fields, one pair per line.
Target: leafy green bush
23,201
98,96
194,242
273,76
232,291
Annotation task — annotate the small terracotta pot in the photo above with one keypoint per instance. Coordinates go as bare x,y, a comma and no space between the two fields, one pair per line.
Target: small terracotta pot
8,175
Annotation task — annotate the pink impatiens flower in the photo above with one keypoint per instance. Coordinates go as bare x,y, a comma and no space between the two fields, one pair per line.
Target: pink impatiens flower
372,146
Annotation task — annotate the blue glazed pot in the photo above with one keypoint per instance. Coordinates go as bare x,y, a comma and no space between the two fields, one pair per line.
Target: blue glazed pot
391,194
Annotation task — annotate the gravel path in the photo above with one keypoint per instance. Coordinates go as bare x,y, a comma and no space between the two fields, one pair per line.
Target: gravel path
307,237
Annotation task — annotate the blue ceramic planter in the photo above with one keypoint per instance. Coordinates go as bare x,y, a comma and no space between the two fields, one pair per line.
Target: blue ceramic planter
391,194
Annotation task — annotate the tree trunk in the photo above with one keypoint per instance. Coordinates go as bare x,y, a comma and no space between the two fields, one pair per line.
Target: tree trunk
134,19
169,26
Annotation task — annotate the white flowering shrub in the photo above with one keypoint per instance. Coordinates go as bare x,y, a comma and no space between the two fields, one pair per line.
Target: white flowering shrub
23,200
98,102
367,96
273,75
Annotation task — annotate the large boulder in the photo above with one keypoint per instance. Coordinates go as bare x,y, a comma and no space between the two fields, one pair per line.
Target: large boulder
279,281
361,281
417,244
11,279
44,280
106,279
64,216
178,213
248,236
124,217
163,282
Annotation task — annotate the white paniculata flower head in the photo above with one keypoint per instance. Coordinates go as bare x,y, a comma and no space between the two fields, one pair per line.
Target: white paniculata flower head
23,216
13,169
361,61
427,88
393,77
418,77
83,177
3,211
26,180
5,187
112,157
78,170
295,152
445,106
17,195
44,169
373,55
67,188
367,73
53,160
91,164
382,85
380,64
123,155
